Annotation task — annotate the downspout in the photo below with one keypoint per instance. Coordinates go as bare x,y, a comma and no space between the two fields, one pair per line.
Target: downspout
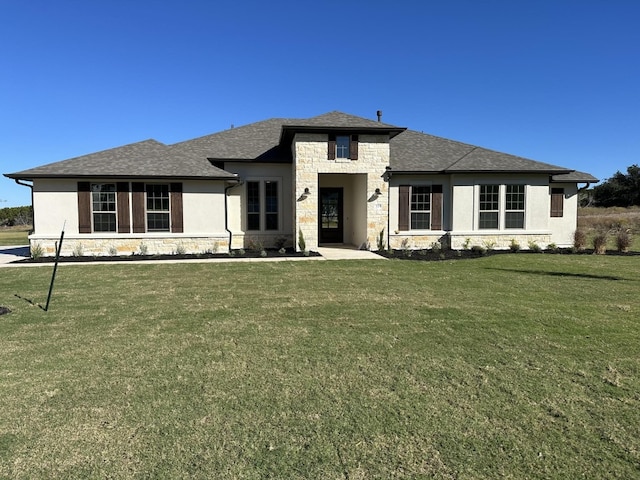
226,210
387,177
33,211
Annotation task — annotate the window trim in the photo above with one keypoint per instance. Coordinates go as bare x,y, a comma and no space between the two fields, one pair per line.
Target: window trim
508,210
495,201
436,206
351,147
411,203
166,212
96,188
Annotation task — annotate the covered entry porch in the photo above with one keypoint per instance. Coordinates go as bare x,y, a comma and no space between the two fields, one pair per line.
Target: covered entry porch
342,209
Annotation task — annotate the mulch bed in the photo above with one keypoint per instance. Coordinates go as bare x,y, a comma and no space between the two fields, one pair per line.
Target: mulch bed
128,258
431,256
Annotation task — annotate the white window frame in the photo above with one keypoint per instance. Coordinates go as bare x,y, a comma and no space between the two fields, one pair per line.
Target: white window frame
523,210
411,211
153,211
95,189
502,206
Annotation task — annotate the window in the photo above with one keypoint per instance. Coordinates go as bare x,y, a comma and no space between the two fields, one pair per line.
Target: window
420,208
263,205
157,208
557,202
271,205
514,207
103,205
253,205
489,206
343,147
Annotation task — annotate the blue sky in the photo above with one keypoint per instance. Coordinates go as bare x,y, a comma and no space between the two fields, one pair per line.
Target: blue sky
552,80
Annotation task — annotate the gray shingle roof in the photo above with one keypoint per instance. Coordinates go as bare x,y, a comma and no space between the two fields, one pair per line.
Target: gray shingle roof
413,151
268,141
148,158
575,176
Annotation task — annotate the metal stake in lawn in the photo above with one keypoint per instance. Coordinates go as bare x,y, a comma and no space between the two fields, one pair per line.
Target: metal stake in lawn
55,266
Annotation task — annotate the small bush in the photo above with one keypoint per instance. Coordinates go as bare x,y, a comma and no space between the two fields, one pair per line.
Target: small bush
216,247
624,240
534,247
241,252
406,247
113,251
479,250
78,250
255,245
302,245
37,251
467,244
579,240
280,242
514,246
436,246
263,253
180,249
600,243
489,245
143,249
282,251
381,244
552,247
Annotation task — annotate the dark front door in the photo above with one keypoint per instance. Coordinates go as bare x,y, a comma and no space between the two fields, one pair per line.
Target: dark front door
331,229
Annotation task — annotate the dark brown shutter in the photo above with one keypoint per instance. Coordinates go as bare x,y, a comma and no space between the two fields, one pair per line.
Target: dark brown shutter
353,147
403,207
331,152
122,202
84,207
436,207
137,204
176,207
557,202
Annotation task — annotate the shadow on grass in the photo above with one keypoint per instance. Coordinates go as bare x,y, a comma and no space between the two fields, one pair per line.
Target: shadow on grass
558,274
28,300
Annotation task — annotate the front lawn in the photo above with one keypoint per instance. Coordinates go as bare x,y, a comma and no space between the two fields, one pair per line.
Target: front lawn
518,366
14,235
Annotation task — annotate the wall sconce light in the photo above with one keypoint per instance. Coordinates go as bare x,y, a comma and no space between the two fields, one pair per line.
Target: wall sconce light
378,192
305,194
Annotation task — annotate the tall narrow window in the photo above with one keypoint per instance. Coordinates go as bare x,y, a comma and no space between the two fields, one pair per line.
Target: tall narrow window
271,205
514,207
557,202
253,205
103,205
342,146
420,208
489,206
157,208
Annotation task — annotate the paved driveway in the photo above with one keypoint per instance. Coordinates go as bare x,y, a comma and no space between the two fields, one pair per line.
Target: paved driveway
13,252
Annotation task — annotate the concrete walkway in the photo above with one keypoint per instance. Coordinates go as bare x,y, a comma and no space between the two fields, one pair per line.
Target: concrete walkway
9,254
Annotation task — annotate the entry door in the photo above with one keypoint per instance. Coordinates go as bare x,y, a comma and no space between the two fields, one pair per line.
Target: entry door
331,227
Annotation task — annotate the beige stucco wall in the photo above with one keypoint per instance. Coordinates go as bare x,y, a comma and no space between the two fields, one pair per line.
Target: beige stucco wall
367,212
56,205
237,198
461,194
563,228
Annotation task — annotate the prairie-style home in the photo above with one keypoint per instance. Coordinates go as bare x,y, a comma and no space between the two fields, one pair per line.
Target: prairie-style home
334,179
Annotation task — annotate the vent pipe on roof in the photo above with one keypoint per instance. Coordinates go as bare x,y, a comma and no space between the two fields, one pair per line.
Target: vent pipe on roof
379,113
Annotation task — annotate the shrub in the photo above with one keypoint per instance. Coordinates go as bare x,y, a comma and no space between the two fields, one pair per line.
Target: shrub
381,244
216,247
552,247
534,247
467,244
514,246
255,245
623,240
113,251
406,247
489,245
180,249
263,253
579,240
302,245
478,250
78,250
143,249
600,243
436,246
280,242
241,251
37,251
282,251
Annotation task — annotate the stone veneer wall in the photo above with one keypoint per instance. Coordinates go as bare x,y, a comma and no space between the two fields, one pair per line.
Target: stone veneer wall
310,160
106,246
500,241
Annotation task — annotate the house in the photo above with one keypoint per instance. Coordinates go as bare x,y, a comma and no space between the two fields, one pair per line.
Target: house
334,178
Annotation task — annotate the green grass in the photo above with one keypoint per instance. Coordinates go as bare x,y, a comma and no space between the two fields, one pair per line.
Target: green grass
14,235
518,366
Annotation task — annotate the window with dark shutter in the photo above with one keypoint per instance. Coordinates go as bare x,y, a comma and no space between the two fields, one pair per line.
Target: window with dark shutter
176,208
436,207
403,207
84,207
123,207
557,202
